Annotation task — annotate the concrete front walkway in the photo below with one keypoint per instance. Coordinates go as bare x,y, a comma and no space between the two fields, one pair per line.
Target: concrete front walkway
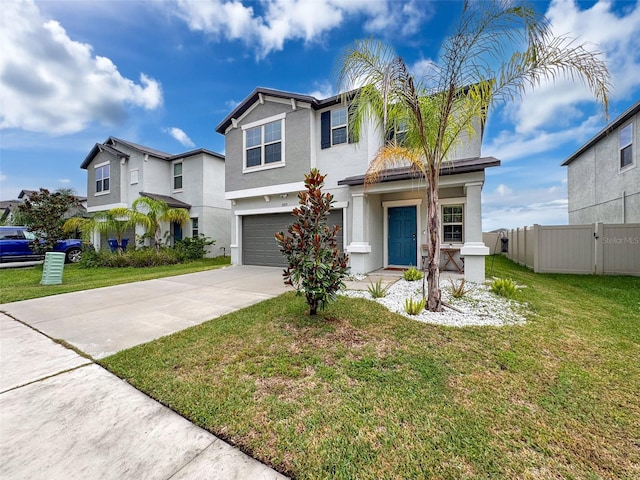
64,417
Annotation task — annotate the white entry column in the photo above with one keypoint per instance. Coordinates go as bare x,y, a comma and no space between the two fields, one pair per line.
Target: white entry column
474,249
359,247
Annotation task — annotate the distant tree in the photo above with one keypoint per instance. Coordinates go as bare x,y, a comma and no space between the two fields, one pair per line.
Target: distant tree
315,265
156,213
43,214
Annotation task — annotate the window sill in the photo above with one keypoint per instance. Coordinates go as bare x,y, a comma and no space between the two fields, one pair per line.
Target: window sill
99,194
627,168
179,190
259,168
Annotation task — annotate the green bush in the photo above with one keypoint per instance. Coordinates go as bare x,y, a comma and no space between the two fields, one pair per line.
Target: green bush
142,257
412,274
505,287
377,290
414,307
193,248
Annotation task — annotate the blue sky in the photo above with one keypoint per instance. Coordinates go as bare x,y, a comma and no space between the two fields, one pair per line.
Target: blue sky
164,73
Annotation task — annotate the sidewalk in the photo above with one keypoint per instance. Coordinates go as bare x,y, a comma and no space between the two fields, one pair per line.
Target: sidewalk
64,417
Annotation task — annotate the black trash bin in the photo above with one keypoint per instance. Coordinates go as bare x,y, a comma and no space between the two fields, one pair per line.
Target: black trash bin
504,245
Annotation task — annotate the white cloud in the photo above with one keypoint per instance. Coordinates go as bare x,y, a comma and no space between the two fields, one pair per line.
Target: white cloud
544,204
613,34
53,84
322,90
231,104
64,180
273,22
508,145
180,136
503,190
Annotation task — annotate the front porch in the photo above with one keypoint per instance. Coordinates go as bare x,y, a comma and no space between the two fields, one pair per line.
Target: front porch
389,227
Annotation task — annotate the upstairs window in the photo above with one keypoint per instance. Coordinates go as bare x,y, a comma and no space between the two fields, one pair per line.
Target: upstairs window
334,129
398,132
102,178
263,145
452,224
177,176
339,126
626,145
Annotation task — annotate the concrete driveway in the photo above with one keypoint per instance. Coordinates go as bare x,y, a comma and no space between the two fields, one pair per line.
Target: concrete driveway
64,417
103,321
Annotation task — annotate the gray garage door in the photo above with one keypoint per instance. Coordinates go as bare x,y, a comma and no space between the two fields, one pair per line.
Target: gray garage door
259,246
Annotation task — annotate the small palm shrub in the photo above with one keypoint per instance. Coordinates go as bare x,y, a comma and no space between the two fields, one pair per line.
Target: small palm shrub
458,289
412,274
505,287
414,307
377,290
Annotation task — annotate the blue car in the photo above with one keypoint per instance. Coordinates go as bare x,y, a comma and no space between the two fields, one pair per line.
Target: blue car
14,246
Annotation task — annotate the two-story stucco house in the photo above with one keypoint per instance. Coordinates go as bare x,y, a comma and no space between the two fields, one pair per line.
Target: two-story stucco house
119,171
604,176
273,138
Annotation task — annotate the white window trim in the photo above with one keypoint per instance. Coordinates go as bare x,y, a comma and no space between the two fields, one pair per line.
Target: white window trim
345,125
102,192
446,202
275,118
173,176
622,169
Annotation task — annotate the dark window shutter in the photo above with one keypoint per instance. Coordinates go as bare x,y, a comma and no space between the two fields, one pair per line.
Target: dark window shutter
352,137
325,129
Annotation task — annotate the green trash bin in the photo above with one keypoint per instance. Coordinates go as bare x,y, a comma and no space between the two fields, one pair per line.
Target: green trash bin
52,268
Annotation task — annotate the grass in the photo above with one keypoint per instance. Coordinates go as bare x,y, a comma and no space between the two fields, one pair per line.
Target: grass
359,392
24,283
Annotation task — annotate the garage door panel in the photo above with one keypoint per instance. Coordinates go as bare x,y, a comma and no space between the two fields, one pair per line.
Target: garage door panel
259,246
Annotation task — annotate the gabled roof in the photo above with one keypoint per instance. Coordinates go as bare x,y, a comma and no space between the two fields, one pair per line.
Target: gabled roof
140,148
109,146
630,112
25,193
465,165
237,112
172,202
198,151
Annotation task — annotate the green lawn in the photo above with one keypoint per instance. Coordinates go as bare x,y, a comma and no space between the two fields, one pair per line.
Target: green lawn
24,283
362,393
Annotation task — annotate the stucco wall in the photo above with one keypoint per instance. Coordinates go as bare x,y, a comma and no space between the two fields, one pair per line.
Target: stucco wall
598,190
297,128
114,194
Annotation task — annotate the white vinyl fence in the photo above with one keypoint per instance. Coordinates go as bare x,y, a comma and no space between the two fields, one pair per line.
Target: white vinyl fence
602,249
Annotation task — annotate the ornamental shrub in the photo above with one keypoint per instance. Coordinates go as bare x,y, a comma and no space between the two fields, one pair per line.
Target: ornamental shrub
412,274
193,248
316,267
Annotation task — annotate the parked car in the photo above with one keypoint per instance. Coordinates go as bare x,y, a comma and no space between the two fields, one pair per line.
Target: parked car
15,246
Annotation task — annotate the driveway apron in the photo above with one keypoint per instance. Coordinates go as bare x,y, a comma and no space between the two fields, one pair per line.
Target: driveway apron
64,417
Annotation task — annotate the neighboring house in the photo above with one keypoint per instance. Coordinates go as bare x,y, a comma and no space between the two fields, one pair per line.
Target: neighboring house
8,207
119,171
273,138
604,176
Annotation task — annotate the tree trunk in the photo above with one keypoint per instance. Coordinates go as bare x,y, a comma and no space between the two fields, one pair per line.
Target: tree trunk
313,305
434,301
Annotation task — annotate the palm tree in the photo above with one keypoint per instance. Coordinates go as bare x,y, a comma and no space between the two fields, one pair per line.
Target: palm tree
117,221
479,67
156,213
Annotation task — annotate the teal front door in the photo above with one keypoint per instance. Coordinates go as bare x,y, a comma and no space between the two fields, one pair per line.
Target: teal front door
402,236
